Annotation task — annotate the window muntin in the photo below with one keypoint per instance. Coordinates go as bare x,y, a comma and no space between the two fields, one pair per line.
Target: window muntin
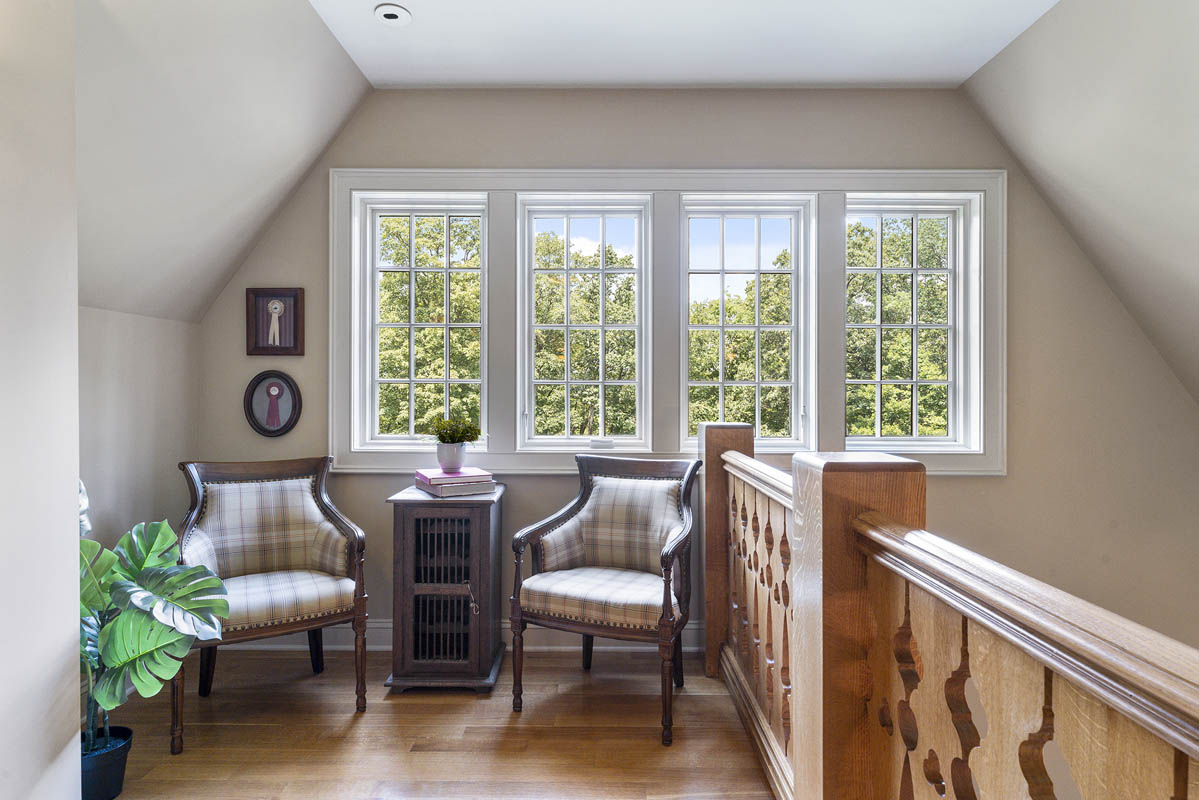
586,328
428,339
742,351
901,380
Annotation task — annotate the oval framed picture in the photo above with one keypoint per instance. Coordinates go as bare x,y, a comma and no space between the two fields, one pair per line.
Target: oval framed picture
272,403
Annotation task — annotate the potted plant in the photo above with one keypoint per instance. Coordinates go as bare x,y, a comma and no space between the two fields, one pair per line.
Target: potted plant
139,613
452,436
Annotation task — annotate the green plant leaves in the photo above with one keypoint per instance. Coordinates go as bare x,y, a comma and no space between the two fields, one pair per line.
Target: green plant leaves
89,640
95,567
185,598
455,431
150,544
137,647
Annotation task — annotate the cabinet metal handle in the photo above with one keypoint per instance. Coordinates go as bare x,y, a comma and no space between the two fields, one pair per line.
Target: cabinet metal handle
474,607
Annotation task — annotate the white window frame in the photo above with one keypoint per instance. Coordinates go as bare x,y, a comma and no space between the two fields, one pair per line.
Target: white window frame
369,208
967,311
799,208
664,292
530,206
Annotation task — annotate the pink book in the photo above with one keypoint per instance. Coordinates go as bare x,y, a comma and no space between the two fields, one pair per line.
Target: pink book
439,477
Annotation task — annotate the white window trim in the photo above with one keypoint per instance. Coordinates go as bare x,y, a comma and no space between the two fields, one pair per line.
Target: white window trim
528,206
368,207
827,319
965,391
963,451
801,208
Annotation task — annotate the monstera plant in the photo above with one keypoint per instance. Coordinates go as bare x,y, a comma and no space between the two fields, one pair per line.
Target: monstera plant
139,613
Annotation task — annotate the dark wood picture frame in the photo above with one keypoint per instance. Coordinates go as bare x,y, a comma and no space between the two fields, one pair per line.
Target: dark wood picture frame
248,402
290,322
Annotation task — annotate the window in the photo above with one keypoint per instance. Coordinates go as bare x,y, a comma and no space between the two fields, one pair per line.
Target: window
915,343
584,265
427,339
831,309
745,281
899,377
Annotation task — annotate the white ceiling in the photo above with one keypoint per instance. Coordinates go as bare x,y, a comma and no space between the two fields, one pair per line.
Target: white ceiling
917,43
194,122
1099,102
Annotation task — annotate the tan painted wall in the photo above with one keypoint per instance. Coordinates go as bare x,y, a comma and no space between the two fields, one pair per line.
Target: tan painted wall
39,403
1097,99
196,120
1103,448
138,400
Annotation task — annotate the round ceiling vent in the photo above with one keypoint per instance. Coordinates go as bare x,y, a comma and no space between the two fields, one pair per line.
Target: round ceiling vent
392,14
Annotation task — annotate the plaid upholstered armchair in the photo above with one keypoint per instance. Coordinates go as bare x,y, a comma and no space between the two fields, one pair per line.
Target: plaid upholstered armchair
616,563
289,559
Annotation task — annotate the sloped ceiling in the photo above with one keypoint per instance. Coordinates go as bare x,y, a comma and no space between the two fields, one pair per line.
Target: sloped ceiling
194,122
1100,101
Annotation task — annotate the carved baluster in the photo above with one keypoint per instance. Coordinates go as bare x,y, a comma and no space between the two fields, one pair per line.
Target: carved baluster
907,659
785,680
963,721
1032,749
734,568
743,567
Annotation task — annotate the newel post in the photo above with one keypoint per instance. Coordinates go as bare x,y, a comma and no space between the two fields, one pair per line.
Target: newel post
715,439
832,628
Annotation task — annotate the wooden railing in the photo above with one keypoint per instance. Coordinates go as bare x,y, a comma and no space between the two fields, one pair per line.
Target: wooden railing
872,659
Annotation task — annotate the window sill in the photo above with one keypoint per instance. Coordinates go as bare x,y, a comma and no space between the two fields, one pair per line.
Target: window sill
525,462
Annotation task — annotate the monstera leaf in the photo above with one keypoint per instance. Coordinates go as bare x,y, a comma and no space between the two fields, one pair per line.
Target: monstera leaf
95,568
181,597
89,640
147,545
137,647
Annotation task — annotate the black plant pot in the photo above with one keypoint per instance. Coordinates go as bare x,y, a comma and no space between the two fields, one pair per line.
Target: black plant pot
104,770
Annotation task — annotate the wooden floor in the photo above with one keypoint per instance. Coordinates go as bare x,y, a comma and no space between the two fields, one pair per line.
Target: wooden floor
272,729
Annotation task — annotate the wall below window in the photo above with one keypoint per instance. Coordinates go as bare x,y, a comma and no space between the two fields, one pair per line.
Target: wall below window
1103,441
139,395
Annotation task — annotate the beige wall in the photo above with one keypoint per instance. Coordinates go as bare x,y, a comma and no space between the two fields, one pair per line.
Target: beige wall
196,120
139,396
1097,99
39,404
1103,445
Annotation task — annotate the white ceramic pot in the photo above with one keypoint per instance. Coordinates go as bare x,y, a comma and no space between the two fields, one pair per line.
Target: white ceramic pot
451,456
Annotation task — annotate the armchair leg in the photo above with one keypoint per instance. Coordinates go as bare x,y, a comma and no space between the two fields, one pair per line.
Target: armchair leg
588,643
667,698
207,668
177,712
678,661
316,650
359,654
518,661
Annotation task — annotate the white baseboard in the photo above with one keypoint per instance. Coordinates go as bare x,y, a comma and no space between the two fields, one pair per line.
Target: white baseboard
378,637
779,773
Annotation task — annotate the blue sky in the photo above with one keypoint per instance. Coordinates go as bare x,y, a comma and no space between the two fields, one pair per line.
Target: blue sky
704,241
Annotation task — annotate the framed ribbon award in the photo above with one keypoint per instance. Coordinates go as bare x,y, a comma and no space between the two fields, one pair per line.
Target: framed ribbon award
272,403
274,322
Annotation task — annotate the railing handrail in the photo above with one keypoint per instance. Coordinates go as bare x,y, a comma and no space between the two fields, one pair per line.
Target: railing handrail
773,482
1146,675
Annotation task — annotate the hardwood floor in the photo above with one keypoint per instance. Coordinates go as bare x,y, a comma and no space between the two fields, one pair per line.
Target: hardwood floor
272,729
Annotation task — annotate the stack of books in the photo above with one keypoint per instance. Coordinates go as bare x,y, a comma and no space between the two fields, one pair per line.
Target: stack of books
442,483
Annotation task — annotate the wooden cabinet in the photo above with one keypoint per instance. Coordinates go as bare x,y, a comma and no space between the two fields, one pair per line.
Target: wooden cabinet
446,579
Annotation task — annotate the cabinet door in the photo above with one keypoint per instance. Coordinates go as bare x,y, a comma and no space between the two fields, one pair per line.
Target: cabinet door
441,631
